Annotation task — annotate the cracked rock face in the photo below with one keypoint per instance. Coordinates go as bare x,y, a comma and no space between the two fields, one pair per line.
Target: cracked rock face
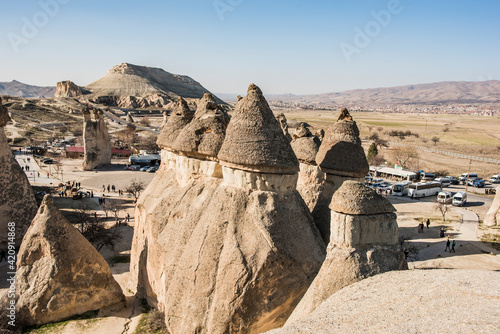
59,273
96,141
17,201
363,243
492,218
67,89
222,249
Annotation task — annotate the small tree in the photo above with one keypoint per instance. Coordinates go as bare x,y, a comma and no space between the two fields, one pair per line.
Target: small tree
435,140
135,189
116,207
411,250
372,151
443,209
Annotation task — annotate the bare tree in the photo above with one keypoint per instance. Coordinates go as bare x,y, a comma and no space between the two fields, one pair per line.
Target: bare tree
406,156
443,209
116,207
411,250
135,189
435,140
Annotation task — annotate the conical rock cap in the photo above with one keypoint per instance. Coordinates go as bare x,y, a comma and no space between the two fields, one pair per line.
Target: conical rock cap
178,119
341,152
254,139
204,135
354,198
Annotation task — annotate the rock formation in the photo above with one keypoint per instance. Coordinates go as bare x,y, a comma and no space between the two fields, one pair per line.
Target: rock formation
284,126
342,158
492,218
311,178
59,273
67,89
17,201
223,242
96,141
165,119
363,243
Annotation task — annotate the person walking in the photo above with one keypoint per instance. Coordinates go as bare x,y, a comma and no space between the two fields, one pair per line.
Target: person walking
452,247
428,223
447,245
109,188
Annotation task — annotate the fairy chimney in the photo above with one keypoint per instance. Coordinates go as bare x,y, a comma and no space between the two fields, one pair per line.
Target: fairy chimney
341,157
96,141
59,273
178,119
492,217
363,243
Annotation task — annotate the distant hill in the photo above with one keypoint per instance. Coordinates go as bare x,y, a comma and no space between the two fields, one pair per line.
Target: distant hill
454,92
19,89
143,82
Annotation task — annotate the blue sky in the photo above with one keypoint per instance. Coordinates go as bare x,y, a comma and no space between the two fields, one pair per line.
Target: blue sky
293,46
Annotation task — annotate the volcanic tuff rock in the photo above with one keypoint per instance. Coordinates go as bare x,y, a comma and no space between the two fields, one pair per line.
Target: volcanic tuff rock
284,126
178,119
492,218
96,141
265,151
67,89
221,249
342,158
59,273
410,301
363,243
17,201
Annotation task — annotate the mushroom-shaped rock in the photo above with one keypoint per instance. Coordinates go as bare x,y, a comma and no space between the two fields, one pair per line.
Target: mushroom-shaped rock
59,273
341,152
204,135
178,119
254,139
492,217
17,201
363,243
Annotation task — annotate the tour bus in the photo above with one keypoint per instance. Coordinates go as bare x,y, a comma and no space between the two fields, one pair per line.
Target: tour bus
423,189
401,189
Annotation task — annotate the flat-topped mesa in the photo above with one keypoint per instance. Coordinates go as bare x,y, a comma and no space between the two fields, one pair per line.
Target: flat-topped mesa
341,152
96,141
178,119
17,201
363,243
67,89
59,273
254,139
255,153
202,138
341,157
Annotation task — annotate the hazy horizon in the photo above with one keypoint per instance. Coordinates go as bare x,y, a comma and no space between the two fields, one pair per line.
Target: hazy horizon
285,47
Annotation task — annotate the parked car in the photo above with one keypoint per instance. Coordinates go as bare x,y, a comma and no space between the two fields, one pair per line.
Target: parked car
467,177
145,168
478,183
133,167
152,169
79,195
445,197
384,185
453,180
471,181
48,161
445,182
495,179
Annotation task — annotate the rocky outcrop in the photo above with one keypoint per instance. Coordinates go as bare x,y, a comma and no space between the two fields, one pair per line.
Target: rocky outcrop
223,242
492,217
17,201
67,89
341,157
410,301
96,141
59,273
363,243
178,119
284,126
311,179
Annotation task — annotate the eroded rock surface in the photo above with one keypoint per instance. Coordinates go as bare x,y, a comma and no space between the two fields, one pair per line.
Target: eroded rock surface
218,246
59,273
67,89
363,243
492,217
17,201
96,141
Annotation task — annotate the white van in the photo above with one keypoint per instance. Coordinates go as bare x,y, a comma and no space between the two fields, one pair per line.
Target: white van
467,176
445,182
444,197
460,198
495,179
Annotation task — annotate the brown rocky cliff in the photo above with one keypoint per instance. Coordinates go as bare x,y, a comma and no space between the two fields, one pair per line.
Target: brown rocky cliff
67,89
